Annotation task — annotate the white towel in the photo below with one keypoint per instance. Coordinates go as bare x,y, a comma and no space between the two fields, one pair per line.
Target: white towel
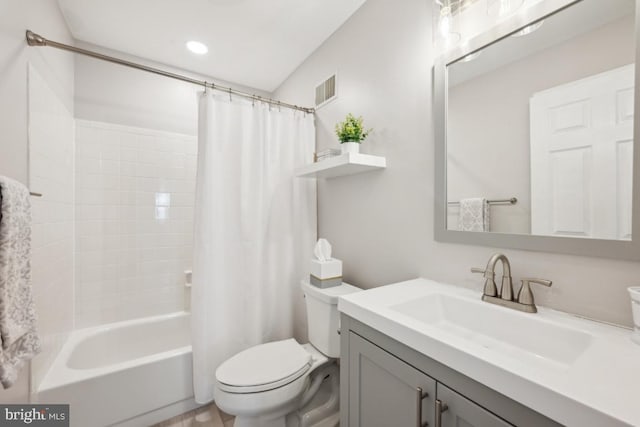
18,334
474,215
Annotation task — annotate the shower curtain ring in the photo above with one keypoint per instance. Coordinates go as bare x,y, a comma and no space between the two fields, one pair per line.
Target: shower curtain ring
230,100
253,100
279,109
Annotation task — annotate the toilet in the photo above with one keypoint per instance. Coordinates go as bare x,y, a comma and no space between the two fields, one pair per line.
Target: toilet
276,384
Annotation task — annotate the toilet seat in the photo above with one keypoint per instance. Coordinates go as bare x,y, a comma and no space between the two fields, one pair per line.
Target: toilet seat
264,367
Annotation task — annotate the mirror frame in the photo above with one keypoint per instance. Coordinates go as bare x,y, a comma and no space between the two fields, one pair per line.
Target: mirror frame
619,249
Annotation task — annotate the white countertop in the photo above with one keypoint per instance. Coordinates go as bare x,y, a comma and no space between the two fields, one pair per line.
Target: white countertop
601,388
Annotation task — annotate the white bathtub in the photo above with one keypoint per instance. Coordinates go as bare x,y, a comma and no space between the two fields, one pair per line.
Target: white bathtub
131,373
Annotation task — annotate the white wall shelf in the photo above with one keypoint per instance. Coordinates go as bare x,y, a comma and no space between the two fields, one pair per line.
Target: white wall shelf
345,164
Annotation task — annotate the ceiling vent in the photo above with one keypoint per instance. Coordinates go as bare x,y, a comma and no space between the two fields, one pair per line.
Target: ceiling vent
326,91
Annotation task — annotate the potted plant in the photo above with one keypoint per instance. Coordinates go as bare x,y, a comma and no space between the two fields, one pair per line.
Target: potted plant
351,133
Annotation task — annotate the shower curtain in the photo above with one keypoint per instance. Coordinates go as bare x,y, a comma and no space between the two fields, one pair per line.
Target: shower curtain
255,227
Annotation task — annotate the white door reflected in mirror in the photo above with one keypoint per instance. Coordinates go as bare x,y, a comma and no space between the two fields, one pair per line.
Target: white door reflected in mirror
582,157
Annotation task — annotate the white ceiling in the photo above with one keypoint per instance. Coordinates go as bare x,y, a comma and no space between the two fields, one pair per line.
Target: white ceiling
256,43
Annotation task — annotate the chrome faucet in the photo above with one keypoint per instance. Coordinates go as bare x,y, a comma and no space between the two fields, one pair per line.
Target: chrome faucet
524,301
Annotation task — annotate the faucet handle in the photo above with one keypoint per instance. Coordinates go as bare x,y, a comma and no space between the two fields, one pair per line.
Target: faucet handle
490,288
488,274
525,296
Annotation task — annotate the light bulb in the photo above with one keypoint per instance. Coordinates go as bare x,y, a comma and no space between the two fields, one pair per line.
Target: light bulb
197,47
445,26
445,21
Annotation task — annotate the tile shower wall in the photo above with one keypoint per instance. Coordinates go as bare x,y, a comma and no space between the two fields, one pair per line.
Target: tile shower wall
134,218
51,151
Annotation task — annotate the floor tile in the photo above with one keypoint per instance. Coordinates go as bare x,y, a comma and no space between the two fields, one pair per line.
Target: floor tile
213,418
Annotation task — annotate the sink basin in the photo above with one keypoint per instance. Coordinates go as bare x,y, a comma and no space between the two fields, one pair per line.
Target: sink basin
502,330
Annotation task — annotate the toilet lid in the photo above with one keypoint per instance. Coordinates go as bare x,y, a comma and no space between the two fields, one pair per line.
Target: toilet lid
265,366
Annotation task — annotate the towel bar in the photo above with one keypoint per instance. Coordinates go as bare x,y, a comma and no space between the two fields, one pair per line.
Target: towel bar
511,201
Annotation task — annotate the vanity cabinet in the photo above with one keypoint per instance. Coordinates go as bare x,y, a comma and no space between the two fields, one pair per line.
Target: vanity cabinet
460,411
388,391
385,383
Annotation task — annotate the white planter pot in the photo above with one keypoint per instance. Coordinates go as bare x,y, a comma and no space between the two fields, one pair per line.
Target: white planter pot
350,147
635,307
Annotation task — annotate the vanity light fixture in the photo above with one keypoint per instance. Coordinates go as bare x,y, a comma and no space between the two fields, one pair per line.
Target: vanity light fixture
197,47
501,8
529,29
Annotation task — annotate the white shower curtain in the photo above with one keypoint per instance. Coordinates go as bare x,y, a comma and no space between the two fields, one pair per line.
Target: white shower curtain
255,226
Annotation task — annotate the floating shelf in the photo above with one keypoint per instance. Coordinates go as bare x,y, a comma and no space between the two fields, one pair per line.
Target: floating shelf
345,164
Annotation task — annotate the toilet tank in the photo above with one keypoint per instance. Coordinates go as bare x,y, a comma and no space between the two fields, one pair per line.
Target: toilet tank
323,318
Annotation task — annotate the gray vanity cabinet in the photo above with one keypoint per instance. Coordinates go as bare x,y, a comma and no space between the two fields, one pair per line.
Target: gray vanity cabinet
384,383
388,391
460,411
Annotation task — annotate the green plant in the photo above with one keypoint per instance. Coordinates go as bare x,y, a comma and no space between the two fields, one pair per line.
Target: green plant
351,129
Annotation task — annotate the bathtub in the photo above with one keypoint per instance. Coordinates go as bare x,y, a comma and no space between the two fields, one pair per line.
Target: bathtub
131,373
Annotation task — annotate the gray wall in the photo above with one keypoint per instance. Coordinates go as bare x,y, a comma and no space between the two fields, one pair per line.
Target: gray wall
381,223
57,69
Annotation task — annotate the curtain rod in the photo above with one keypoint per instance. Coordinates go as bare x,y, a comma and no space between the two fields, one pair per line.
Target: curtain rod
34,39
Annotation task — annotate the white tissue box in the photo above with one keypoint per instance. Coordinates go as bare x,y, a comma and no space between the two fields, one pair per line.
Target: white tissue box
326,269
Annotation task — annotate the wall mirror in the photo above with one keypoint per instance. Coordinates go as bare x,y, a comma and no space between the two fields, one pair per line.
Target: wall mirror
535,133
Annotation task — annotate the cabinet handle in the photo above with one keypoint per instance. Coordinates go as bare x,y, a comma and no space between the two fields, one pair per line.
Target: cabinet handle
440,408
420,394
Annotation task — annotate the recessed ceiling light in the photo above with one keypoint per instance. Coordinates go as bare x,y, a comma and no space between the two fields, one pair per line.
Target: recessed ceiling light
197,47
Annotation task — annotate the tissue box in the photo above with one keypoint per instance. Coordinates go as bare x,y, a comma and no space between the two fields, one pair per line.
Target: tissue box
325,274
326,269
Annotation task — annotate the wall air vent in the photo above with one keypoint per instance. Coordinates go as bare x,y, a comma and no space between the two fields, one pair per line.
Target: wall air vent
326,91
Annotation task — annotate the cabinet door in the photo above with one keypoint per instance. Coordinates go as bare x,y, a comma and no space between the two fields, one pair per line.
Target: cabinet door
385,391
461,412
